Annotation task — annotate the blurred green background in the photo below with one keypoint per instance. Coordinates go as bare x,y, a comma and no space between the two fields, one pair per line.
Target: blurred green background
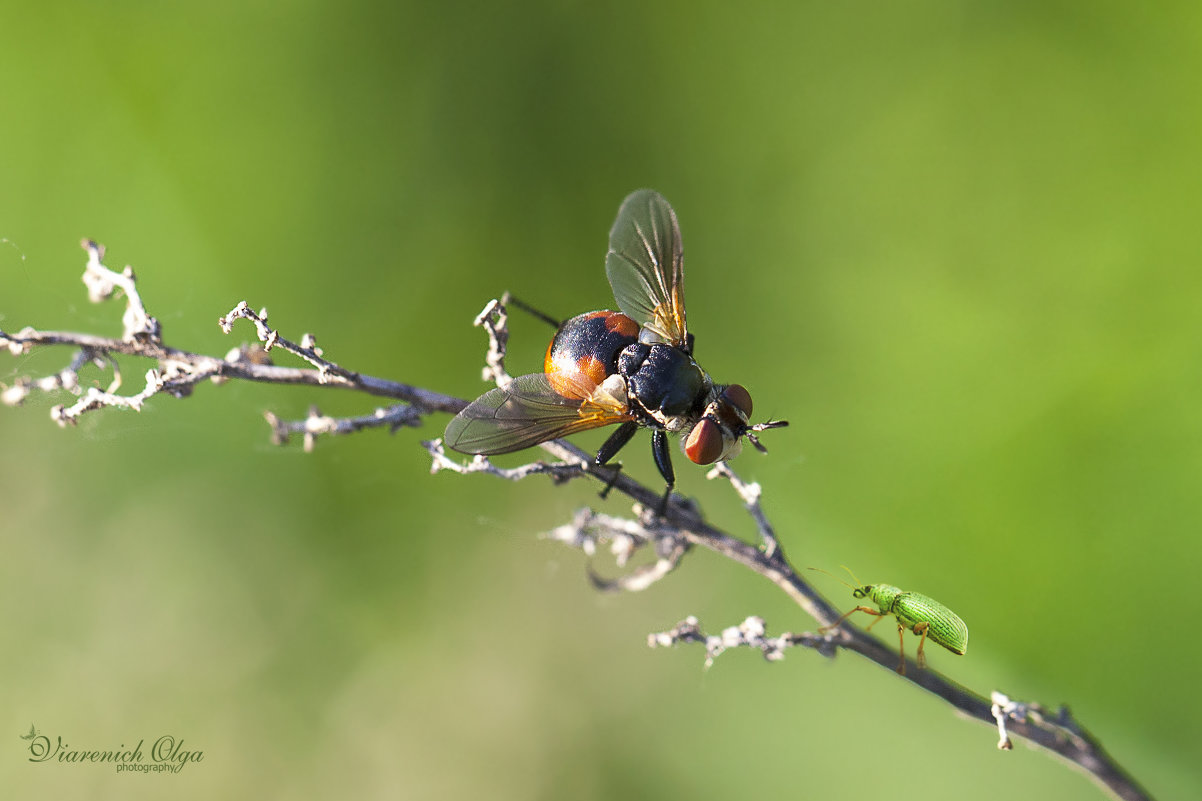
956,244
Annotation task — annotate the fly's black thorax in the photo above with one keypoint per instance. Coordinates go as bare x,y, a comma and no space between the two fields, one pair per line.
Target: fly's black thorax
664,384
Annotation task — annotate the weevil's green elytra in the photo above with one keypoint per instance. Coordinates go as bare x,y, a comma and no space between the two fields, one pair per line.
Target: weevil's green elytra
919,613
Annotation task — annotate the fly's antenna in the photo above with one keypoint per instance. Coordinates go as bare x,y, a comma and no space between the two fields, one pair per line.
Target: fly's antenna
754,440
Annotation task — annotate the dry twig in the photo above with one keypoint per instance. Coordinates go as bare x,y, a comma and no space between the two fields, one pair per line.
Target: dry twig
177,372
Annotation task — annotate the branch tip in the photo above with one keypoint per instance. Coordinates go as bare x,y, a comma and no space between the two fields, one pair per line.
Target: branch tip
494,319
750,493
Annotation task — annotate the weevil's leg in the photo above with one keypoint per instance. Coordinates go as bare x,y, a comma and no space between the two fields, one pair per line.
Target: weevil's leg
901,648
689,343
922,628
663,460
509,300
879,617
836,624
610,448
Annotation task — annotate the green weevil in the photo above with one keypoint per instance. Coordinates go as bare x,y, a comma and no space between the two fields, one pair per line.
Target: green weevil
919,613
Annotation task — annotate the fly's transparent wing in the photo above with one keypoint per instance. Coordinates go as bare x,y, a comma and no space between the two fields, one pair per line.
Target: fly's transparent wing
645,265
530,411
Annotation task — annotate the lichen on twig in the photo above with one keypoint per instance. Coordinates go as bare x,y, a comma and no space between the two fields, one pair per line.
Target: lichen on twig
626,538
177,372
751,633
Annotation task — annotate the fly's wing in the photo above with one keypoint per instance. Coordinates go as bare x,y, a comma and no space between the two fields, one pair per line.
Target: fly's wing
645,265
530,411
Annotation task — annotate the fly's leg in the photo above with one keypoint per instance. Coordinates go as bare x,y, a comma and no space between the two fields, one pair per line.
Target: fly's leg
509,300
663,460
610,448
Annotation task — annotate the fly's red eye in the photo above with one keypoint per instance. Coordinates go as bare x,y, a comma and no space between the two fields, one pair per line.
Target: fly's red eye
738,396
704,444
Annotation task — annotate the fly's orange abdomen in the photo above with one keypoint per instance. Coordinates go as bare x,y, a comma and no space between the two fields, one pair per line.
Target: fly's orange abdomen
585,351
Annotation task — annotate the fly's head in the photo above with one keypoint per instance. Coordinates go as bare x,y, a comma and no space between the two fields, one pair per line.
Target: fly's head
718,435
